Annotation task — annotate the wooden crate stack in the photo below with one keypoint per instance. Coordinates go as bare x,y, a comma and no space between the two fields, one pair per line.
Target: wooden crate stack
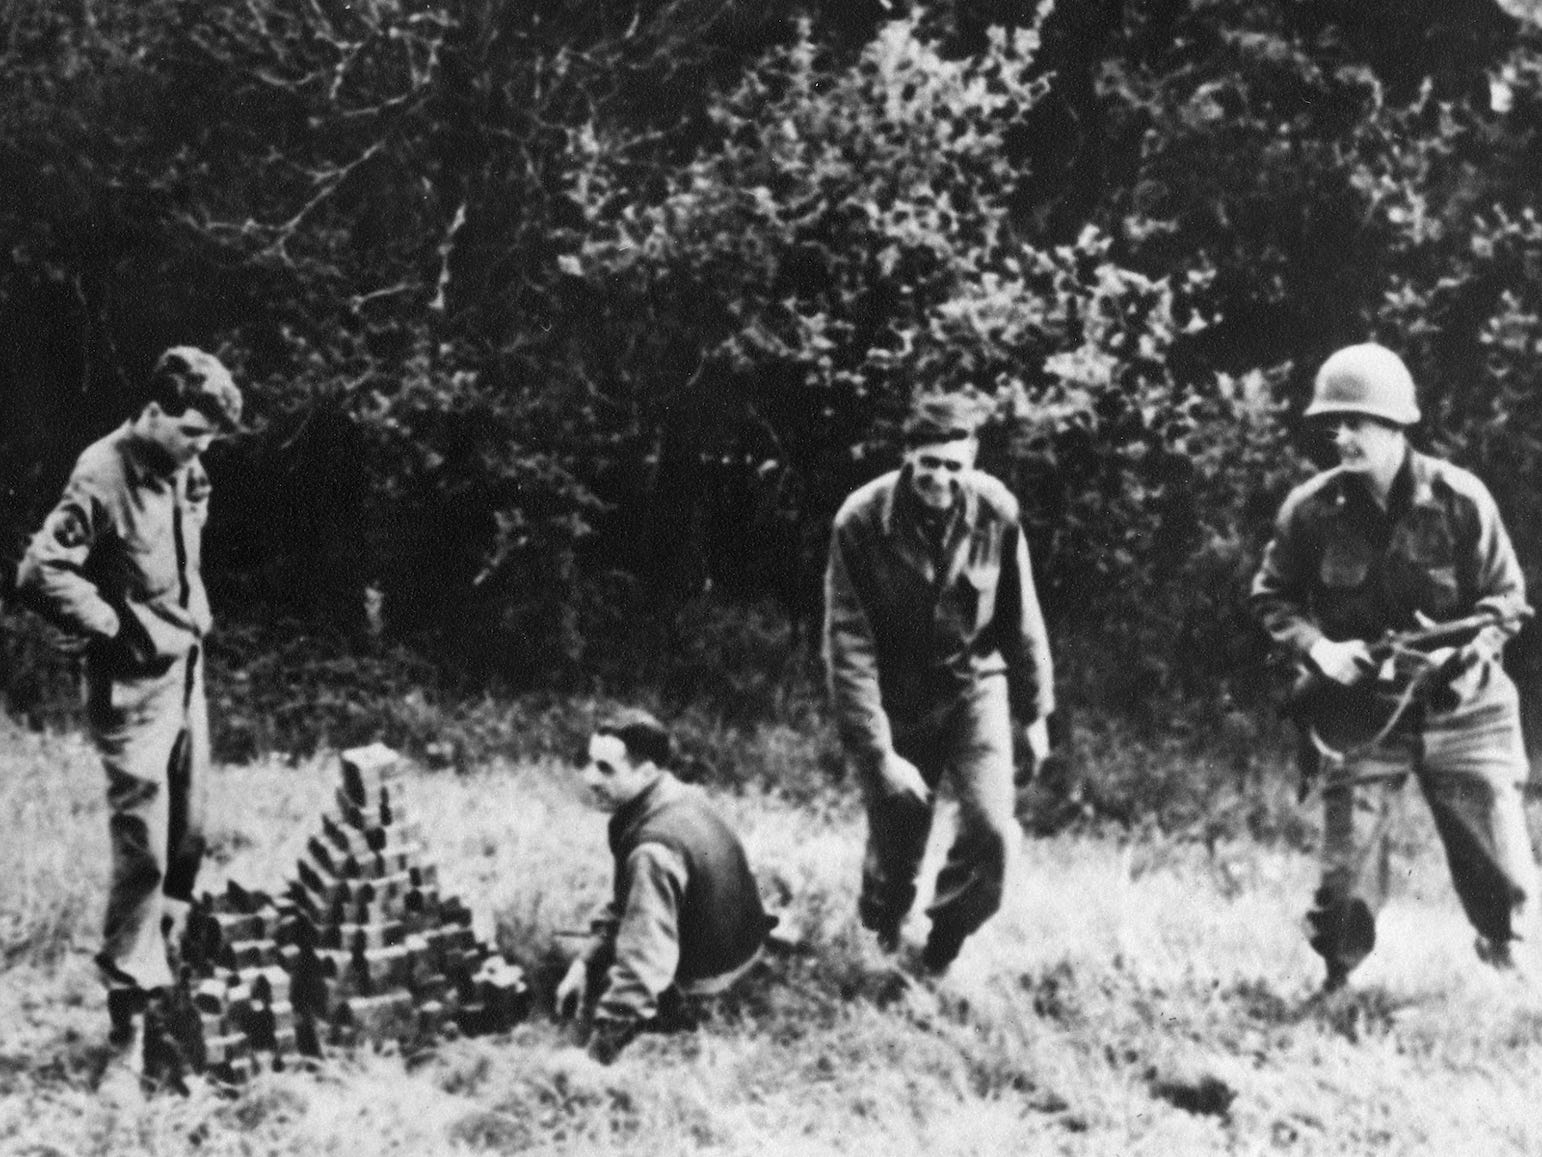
235,1001
361,947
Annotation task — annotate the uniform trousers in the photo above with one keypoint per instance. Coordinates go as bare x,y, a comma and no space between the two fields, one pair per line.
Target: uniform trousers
1470,764
968,742
152,732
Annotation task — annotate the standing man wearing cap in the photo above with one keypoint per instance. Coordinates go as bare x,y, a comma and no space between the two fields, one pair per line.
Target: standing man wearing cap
116,566
933,635
1394,540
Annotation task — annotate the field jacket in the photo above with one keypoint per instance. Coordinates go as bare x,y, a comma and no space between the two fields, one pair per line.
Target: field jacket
118,558
908,630
1343,568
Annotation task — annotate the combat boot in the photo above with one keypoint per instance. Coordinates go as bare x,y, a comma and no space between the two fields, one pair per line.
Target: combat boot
123,1077
942,949
125,1015
1335,980
886,933
1511,957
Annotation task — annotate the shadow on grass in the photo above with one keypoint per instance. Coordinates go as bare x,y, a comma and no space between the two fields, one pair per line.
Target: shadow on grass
73,1062
1353,1013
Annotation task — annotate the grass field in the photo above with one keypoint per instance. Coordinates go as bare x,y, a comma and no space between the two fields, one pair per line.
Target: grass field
1138,994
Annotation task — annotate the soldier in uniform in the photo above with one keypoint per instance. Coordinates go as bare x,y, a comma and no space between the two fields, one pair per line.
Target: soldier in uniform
684,920
116,567
933,637
1392,539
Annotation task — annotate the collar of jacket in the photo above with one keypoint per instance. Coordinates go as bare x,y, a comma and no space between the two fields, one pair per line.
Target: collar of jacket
629,813
906,538
1413,485
137,461
892,510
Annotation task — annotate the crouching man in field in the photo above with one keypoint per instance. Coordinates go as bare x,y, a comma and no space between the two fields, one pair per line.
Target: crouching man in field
1392,540
933,637
116,567
684,920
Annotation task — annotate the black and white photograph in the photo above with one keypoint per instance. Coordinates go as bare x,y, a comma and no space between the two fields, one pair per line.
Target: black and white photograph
828,578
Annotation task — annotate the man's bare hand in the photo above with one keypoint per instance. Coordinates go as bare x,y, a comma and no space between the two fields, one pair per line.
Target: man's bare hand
1441,657
1036,736
571,992
1347,662
1486,646
903,778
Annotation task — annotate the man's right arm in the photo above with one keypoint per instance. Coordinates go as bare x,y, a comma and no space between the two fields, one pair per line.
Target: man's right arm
51,578
851,662
602,931
1279,595
574,985
1279,599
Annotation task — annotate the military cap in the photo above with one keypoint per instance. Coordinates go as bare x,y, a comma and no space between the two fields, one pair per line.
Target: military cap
187,378
943,418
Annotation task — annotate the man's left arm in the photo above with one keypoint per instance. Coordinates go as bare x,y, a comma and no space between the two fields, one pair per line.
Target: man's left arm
1022,635
647,948
1498,581
574,986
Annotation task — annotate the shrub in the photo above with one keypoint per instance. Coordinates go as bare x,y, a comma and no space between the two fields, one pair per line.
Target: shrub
38,683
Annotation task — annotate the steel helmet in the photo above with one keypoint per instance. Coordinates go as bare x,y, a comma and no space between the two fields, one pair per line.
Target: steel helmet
1365,379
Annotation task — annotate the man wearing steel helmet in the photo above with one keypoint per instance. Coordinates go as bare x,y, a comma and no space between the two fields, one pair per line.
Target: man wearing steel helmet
116,567
1392,539
932,632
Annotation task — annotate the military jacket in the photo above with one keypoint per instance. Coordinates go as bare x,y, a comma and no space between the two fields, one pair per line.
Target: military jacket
1341,567
909,627
684,906
118,558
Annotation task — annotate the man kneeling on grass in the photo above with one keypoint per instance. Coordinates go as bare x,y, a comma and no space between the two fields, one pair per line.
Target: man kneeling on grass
684,920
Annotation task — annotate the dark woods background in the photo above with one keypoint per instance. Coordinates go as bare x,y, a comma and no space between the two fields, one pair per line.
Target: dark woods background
566,326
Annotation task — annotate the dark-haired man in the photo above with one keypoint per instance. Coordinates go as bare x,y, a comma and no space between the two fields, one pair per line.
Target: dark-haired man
684,920
116,567
1392,539
933,636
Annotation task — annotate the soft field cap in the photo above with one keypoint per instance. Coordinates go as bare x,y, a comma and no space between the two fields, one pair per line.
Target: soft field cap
201,381
943,418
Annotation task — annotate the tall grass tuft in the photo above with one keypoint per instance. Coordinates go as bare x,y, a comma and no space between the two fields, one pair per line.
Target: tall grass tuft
53,858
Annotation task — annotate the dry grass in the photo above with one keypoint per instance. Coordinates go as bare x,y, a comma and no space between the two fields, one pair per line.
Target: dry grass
1143,996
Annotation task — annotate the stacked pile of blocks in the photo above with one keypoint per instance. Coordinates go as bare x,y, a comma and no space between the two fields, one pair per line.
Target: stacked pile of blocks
361,947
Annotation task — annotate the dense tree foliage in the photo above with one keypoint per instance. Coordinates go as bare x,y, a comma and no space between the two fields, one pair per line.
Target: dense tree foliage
567,326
